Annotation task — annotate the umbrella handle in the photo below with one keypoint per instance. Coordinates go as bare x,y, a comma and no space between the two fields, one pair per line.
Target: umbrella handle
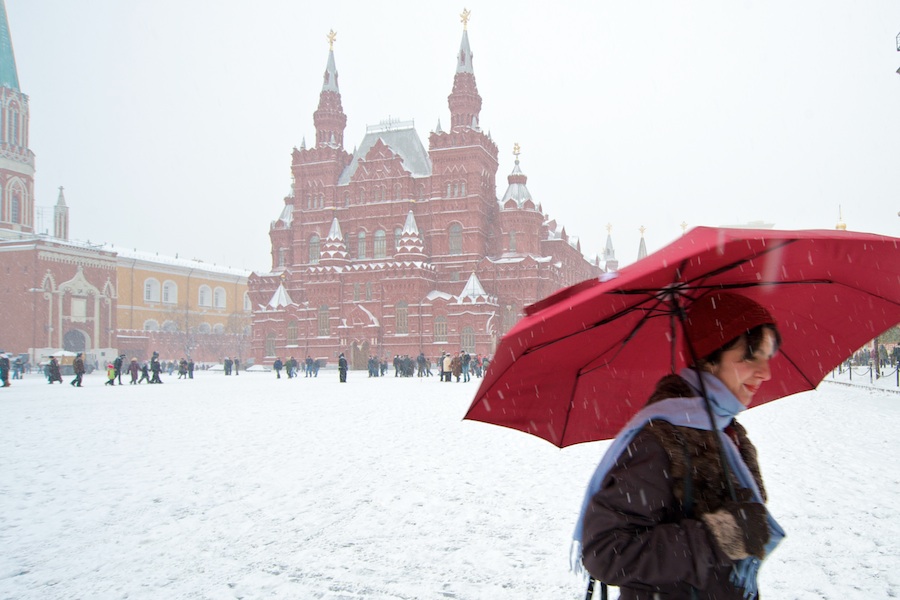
604,590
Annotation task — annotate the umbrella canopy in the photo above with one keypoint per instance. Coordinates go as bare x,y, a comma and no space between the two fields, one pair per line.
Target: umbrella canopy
585,359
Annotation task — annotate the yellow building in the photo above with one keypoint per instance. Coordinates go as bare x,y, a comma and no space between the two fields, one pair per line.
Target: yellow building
180,308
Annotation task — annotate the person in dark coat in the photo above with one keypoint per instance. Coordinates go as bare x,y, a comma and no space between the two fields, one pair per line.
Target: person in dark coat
342,368
78,368
278,365
190,367
658,518
4,369
118,363
133,369
145,376
155,368
53,373
237,367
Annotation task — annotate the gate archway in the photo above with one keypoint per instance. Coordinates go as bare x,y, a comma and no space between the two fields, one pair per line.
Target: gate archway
75,340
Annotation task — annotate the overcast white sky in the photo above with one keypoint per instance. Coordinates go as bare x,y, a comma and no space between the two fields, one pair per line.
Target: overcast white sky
170,122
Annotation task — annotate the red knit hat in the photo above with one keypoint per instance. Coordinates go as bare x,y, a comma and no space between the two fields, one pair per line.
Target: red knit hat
719,317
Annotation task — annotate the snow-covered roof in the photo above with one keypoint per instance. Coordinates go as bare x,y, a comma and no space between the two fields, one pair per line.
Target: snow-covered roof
162,259
402,139
280,298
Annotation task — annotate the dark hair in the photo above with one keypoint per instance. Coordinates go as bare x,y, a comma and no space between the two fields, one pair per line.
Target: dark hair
752,339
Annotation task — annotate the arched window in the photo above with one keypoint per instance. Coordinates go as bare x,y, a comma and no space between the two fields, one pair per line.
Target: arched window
219,298
170,292
292,333
314,250
362,196
151,290
467,339
398,233
456,239
324,324
361,245
170,326
151,325
449,189
440,329
402,318
247,304
462,188
379,249
398,191
512,241
282,256
204,296
270,344
346,199
356,292
204,328
218,329
14,208
368,290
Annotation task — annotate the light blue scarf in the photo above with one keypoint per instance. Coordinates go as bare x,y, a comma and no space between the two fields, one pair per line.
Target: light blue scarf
688,412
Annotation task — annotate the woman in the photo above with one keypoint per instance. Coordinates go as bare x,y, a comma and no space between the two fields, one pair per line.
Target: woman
664,516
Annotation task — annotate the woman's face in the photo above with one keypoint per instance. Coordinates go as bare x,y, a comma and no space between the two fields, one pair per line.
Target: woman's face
741,375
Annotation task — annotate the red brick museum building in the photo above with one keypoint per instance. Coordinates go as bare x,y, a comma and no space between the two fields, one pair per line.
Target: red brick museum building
395,249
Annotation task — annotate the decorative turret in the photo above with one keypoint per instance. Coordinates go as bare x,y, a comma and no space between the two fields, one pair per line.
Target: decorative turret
329,118
516,191
334,250
61,217
410,246
642,249
609,253
464,101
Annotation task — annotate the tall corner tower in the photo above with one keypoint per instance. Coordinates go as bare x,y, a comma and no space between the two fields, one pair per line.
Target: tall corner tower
16,159
329,118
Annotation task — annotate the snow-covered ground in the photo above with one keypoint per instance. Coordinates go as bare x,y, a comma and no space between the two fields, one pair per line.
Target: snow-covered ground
252,487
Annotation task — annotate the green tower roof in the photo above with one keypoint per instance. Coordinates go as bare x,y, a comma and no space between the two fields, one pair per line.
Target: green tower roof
8,76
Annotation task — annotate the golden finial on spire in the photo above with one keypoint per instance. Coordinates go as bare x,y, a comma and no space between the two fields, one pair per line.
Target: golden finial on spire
608,228
642,229
331,35
516,150
464,17
683,228
840,225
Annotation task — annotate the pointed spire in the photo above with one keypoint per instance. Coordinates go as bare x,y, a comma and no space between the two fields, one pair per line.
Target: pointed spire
609,253
303,143
464,101
438,128
9,77
642,248
329,118
335,233
330,78
410,245
60,217
334,250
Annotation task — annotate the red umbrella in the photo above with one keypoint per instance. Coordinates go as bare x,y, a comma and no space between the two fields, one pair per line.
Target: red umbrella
585,359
